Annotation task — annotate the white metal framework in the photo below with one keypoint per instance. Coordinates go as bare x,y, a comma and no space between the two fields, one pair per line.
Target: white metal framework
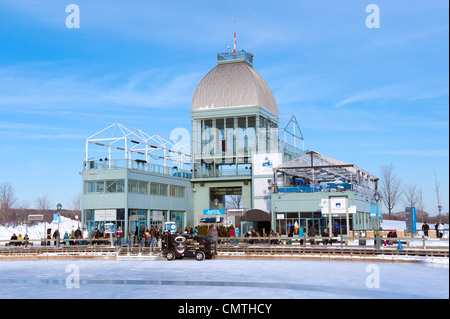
317,167
134,142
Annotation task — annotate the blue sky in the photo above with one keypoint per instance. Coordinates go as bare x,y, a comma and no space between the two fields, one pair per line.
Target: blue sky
371,97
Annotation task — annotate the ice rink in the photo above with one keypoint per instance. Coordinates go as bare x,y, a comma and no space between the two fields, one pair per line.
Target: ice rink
221,279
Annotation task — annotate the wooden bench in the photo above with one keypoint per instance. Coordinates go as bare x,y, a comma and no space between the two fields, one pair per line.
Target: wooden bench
21,244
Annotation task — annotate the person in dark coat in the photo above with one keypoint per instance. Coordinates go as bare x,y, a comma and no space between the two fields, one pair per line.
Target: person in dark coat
425,228
312,234
326,234
78,234
13,237
56,236
291,233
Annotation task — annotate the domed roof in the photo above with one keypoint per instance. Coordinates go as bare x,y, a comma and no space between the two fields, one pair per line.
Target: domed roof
233,84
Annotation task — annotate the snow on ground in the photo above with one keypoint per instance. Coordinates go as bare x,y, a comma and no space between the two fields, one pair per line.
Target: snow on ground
39,230
221,279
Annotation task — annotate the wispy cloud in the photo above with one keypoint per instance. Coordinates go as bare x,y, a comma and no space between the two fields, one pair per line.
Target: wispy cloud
413,153
41,91
406,91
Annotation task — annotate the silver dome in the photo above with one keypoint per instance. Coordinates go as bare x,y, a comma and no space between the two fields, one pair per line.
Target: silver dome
233,84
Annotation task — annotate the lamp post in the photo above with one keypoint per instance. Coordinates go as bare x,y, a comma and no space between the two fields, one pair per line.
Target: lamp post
216,204
59,206
377,197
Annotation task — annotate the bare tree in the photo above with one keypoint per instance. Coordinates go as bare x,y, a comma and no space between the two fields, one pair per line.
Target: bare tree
75,204
410,195
233,201
7,201
420,208
43,204
390,187
437,185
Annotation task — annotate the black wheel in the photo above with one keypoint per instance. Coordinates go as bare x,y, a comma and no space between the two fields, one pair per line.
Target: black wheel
200,255
170,255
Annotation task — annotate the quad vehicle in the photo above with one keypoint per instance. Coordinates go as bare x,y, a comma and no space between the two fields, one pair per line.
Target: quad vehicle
178,246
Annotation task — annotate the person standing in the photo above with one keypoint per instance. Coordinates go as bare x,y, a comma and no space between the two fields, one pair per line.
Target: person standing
236,234
301,234
311,233
291,233
85,235
232,234
441,230
56,236
325,234
425,228
436,228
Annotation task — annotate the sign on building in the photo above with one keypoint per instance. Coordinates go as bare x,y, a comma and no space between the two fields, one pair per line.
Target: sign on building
262,170
213,212
157,216
101,215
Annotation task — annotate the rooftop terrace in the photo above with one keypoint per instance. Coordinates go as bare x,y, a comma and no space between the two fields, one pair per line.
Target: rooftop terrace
231,57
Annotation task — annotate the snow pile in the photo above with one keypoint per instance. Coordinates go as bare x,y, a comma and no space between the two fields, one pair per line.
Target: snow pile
39,230
401,225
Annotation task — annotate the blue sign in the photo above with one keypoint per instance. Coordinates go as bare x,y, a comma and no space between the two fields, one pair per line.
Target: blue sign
373,211
410,217
55,219
267,163
213,212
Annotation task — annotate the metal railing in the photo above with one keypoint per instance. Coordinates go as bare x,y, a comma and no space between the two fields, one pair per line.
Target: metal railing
136,165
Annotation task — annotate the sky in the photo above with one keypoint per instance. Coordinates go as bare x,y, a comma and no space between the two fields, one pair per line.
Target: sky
368,96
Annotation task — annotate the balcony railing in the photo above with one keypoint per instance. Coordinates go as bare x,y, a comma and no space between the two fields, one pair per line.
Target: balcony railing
138,165
330,187
224,173
230,56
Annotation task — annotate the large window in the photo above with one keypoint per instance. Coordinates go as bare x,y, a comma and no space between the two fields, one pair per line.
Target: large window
167,190
158,189
137,187
117,186
110,186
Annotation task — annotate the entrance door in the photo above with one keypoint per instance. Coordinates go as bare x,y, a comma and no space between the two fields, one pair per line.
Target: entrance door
309,223
135,227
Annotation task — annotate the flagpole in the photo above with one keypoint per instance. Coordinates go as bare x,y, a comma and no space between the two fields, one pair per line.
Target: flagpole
234,36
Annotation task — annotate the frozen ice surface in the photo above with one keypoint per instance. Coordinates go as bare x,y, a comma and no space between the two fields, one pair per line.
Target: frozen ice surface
221,279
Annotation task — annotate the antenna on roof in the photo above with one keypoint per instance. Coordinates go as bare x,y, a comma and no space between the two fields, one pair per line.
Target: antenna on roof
234,51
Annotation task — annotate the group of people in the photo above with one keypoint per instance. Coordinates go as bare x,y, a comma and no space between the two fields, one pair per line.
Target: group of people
67,239
18,240
439,228
147,237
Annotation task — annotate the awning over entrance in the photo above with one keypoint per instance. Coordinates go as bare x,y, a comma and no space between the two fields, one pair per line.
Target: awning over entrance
256,215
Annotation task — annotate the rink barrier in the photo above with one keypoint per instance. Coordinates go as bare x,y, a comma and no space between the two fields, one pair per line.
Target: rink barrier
246,245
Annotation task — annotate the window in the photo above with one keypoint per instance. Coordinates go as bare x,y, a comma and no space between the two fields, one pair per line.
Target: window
117,186
159,189
177,191
137,187
163,189
173,190
95,187
181,192
154,188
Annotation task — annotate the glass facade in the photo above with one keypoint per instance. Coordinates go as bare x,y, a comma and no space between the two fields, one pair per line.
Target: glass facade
222,145
107,186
